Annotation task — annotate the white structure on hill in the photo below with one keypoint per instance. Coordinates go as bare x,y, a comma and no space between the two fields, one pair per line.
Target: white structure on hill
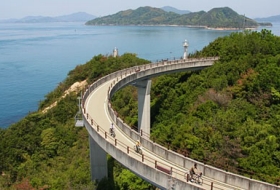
185,45
115,52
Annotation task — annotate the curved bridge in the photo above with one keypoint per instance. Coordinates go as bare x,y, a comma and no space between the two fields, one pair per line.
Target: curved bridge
158,165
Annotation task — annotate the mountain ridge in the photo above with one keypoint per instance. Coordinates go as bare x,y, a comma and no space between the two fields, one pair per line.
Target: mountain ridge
172,9
74,17
275,18
223,17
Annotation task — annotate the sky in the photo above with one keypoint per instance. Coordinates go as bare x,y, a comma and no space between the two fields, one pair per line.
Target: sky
22,8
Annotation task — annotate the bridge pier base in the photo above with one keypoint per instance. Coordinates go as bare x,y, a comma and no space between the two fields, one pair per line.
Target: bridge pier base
144,109
98,161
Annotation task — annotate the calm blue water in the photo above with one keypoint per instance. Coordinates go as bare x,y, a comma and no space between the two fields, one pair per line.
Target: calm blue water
34,58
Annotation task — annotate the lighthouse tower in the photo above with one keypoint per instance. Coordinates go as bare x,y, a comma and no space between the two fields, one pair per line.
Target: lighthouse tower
185,45
115,52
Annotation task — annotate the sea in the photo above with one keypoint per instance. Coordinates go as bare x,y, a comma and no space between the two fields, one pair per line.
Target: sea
36,57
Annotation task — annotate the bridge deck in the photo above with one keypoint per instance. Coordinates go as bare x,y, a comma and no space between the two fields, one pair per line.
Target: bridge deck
96,106
99,114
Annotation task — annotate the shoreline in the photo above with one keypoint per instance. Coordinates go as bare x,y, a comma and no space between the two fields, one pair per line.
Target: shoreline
222,28
252,28
189,26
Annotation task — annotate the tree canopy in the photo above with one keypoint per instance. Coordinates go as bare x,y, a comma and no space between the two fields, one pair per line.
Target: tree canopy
223,17
47,151
226,115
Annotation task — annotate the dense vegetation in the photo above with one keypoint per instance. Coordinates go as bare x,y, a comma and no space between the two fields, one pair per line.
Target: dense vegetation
46,151
226,115
215,18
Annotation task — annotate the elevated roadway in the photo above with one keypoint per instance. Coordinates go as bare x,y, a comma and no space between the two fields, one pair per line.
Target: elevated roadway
158,165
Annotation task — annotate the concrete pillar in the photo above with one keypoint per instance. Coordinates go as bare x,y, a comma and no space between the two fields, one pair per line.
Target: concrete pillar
144,108
98,161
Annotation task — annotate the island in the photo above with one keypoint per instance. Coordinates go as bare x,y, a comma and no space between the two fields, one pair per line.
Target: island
217,18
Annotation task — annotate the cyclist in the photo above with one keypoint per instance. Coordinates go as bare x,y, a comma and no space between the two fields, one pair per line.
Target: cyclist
194,171
138,145
112,128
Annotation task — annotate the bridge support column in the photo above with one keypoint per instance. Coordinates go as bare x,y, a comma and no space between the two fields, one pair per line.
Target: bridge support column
144,108
98,161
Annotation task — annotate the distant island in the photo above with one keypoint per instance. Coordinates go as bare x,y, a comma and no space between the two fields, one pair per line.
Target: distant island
75,17
269,19
217,18
174,10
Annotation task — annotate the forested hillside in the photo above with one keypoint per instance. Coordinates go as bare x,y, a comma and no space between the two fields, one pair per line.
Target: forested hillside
47,151
226,115
215,18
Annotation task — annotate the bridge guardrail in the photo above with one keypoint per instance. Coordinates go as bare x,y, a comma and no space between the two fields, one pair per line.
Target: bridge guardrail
162,151
159,166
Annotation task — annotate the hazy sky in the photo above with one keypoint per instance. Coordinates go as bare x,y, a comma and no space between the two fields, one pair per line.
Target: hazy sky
22,8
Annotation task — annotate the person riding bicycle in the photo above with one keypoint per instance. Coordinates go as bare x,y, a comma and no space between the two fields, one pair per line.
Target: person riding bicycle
194,171
138,145
111,128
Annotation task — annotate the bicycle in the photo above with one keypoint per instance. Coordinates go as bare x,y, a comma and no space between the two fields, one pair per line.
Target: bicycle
138,149
196,178
112,132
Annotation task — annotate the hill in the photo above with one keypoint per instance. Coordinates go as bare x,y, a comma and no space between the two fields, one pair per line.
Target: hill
140,16
225,18
46,151
215,18
75,17
174,10
275,18
226,115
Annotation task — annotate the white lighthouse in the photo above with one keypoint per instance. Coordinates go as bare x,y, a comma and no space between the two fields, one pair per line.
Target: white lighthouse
115,52
185,45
